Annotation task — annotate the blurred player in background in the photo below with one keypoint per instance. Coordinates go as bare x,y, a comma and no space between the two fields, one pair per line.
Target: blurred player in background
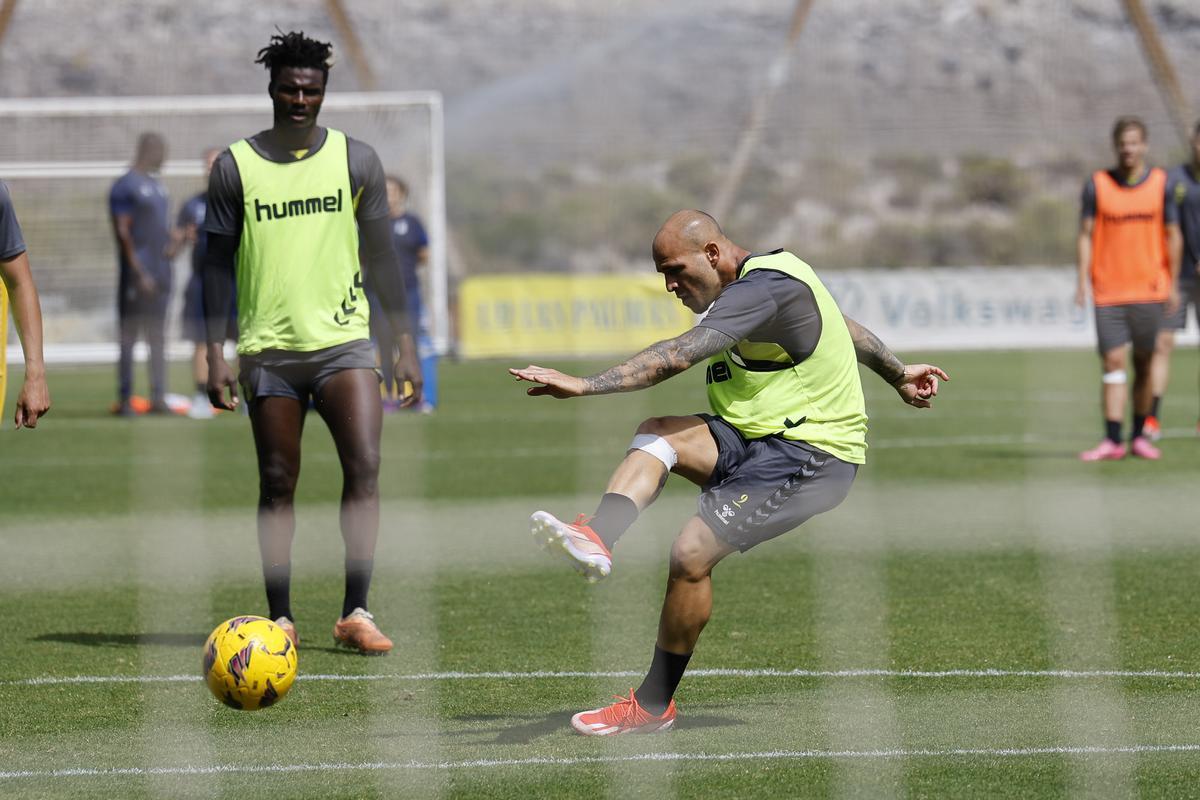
1129,249
288,206
412,249
189,230
137,204
784,442
1183,190
34,398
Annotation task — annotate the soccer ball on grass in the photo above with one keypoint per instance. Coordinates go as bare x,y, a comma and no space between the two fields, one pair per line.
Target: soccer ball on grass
249,663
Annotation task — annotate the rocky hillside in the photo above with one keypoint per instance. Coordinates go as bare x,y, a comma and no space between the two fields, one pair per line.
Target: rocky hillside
572,125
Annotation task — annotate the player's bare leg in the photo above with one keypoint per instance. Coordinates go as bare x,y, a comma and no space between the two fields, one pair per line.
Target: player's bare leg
1112,399
1143,382
1143,403
1115,393
349,403
1160,376
641,476
686,610
661,445
278,423
688,603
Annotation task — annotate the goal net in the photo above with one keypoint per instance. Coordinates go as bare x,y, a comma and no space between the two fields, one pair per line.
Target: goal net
61,156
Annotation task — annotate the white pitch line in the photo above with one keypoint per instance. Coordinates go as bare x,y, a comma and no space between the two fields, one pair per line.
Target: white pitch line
883,443
768,755
717,672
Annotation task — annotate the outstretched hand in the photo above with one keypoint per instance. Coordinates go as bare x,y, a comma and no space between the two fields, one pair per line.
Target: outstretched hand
919,384
553,382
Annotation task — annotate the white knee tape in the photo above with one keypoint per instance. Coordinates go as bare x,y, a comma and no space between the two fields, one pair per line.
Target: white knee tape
1114,377
656,446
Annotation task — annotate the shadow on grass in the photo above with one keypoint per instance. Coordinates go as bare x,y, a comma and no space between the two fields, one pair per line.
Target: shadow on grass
523,729
93,639
514,728
338,650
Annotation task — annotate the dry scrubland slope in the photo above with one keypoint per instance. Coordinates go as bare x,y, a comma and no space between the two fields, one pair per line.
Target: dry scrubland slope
574,127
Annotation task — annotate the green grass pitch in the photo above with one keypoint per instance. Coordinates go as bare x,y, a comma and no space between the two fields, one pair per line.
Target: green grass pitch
983,617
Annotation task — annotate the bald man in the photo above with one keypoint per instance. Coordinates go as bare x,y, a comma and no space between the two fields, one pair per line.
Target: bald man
785,438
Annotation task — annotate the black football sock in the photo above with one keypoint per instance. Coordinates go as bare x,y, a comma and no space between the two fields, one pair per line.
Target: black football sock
1154,406
666,671
1112,430
358,582
1139,422
613,517
201,387
278,578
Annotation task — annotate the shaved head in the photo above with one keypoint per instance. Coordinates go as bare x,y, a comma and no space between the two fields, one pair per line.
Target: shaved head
689,229
695,258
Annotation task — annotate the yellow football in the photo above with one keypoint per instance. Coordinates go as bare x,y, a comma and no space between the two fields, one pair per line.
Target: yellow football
249,663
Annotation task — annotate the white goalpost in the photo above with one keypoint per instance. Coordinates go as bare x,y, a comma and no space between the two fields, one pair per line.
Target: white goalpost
61,155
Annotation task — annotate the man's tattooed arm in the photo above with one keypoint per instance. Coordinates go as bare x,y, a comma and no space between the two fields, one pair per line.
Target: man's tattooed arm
874,354
659,361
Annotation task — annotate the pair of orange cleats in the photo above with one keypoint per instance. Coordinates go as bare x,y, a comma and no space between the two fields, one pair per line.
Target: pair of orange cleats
579,545
357,630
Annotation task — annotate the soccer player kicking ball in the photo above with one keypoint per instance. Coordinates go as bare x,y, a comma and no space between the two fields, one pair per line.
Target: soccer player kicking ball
784,442
288,205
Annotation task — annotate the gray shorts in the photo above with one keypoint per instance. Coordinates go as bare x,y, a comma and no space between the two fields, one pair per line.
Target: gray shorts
284,373
1188,296
1117,326
761,488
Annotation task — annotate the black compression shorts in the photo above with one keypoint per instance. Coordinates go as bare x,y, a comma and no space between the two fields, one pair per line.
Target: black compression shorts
277,373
